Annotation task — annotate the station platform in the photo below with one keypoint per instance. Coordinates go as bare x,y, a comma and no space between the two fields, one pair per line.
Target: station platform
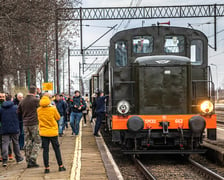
80,155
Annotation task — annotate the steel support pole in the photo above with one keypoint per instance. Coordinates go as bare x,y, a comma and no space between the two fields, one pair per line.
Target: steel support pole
81,40
46,60
63,69
56,46
215,27
28,71
79,76
69,80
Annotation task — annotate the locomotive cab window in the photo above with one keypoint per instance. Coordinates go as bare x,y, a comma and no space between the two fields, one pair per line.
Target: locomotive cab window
121,54
142,44
174,44
196,52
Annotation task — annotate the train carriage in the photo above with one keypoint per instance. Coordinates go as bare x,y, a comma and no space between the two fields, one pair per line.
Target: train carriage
161,94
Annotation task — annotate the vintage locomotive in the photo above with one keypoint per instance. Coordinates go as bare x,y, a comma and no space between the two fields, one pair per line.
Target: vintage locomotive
161,94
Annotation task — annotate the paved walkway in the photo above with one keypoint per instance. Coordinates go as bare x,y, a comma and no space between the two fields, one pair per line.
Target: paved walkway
19,171
80,156
92,164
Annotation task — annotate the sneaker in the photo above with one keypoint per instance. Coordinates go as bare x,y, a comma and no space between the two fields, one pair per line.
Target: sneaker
61,168
32,164
10,157
60,135
4,164
96,135
84,125
47,170
20,160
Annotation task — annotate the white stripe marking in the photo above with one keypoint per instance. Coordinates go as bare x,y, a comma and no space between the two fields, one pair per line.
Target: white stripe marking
76,167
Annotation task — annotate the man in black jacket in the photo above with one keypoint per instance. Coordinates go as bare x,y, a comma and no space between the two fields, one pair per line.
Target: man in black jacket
28,109
10,129
100,111
77,106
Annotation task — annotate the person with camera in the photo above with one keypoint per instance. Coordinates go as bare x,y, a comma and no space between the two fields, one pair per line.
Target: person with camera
77,106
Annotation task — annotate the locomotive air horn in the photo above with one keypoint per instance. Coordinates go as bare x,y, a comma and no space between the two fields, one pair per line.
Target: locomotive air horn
168,23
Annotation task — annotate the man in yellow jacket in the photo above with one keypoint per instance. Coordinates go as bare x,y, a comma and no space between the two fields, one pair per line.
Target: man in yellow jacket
48,128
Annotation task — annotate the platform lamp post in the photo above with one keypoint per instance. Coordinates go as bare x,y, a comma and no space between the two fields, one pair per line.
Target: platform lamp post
217,82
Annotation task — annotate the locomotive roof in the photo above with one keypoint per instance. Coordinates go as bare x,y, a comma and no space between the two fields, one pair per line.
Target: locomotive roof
151,29
161,59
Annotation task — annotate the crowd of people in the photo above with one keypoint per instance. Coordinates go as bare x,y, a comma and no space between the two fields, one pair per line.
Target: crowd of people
35,121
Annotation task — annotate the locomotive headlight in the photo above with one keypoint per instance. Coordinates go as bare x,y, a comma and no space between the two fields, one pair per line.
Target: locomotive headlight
206,107
123,107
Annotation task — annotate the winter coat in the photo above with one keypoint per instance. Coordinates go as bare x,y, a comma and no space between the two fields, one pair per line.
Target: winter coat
48,116
9,118
28,110
79,102
61,107
16,101
100,104
1,102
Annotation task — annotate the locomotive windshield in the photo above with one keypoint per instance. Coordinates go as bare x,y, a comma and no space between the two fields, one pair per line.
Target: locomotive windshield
174,44
142,44
121,53
196,52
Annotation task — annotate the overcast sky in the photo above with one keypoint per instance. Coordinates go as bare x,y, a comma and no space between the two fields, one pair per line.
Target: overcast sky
91,33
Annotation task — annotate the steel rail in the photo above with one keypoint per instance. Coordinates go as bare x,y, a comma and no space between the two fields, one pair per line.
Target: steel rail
143,169
212,174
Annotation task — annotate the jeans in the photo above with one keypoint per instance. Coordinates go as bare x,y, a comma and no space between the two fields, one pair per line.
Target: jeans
99,118
84,117
61,125
75,118
55,144
6,138
21,136
9,149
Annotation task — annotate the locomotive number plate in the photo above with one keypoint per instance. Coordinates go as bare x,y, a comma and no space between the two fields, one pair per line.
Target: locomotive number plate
179,121
151,121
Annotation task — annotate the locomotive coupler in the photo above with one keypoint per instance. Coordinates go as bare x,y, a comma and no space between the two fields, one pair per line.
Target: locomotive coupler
165,126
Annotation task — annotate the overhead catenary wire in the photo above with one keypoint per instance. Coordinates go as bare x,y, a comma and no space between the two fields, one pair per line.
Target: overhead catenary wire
127,24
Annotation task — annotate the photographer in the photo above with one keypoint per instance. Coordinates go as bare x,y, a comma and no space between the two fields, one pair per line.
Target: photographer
77,106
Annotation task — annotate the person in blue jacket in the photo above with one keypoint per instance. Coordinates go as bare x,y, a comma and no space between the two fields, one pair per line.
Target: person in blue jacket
100,111
10,130
62,109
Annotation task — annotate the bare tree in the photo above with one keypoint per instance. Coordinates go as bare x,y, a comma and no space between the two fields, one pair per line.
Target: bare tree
27,35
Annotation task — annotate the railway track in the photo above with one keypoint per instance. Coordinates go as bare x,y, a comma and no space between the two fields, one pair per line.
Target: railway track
203,169
147,174
197,167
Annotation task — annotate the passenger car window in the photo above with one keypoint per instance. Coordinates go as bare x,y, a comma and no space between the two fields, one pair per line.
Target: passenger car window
196,52
121,53
142,44
174,44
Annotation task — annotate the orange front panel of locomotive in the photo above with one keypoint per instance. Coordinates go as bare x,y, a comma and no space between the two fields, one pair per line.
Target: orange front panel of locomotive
153,121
